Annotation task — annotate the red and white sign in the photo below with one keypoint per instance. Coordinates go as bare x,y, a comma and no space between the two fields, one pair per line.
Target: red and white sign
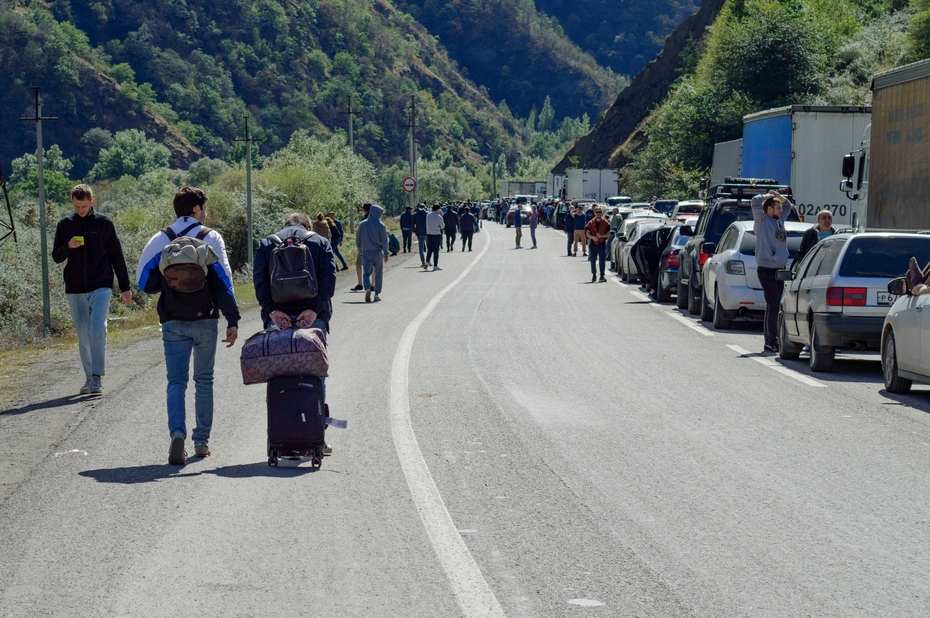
410,184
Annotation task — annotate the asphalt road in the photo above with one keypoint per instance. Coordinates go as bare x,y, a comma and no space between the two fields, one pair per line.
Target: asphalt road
521,442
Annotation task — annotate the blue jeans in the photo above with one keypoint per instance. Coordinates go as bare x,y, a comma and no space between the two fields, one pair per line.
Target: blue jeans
374,260
339,255
180,339
89,314
421,245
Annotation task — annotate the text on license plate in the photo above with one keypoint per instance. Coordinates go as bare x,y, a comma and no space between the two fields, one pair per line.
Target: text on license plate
885,298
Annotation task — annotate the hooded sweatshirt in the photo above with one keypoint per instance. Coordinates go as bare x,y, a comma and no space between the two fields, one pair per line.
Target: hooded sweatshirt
771,239
372,235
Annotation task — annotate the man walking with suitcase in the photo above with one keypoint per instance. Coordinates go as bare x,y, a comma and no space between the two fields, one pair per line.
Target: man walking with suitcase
188,310
309,313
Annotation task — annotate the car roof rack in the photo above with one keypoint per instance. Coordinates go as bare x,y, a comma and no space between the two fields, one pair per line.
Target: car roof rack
737,187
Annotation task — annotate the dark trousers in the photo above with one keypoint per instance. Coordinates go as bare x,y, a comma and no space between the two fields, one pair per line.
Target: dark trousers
433,245
422,246
450,239
772,288
568,246
466,240
408,240
598,255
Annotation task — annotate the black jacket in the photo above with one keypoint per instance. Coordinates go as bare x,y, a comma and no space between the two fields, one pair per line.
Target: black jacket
468,223
406,221
323,261
419,222
451,219
811,237
93,265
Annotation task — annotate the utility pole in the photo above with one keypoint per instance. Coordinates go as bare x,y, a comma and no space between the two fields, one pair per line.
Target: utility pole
350,112
248,185
493,169
413,148
8,230
46,304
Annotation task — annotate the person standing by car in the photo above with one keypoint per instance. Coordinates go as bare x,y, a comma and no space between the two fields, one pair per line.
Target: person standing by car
568,224
518,225
597,231
88,242
771,256
823,229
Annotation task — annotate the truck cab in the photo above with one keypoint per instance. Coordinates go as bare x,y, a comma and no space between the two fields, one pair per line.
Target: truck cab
855,183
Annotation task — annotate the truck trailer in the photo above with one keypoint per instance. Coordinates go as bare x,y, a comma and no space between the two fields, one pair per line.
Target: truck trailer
513,188
728,161
595,185
888,177
798,145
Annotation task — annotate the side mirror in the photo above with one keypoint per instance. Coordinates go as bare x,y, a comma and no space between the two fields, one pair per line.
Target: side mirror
784,275
709,248
849,165
621,238
898,286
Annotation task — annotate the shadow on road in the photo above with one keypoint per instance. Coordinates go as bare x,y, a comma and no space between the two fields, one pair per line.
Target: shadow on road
52,403
137,474
252,470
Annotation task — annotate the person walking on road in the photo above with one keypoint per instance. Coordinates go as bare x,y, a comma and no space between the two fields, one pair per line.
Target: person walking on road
189,328
313,313
336,240
771,256
434,228
518,225
321,227
580,221
468,223
419,228
406,228
823,229
597,231
87,241
568,224
359,260
534,221
451,220
373,244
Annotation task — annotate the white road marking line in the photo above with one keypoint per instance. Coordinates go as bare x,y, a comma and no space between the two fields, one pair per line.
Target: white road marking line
689,323
771,364
471,590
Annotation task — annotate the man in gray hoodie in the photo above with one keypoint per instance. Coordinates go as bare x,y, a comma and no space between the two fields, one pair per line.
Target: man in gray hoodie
771,255
372,242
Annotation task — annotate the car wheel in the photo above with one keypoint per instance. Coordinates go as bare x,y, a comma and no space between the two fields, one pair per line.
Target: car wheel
822,357
721,322
707,312
694,300
893,382
681,296
787,350
663,295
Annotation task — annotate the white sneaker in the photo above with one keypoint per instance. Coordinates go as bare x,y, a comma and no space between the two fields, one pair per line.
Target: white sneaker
436,268
88,384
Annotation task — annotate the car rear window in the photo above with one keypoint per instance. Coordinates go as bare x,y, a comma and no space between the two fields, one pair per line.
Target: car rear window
748,246
883,256
722,219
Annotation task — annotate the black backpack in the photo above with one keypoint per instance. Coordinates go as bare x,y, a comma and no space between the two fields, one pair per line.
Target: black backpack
293,273
185,291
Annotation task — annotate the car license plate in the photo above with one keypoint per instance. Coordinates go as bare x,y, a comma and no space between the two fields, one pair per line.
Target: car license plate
886,298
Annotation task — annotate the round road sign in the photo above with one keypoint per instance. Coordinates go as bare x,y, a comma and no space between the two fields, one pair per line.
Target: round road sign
410,184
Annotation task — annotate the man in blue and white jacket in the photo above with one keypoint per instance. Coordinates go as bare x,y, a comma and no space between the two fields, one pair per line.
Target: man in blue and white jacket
183,338
771,256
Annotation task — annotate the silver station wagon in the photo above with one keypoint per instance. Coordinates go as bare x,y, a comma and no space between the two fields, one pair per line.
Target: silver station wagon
837,296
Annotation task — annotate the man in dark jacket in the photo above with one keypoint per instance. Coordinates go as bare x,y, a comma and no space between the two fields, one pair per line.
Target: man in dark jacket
336,240
814,235
451,219
183,337
467,226
88,241
419,228
406,228
568,224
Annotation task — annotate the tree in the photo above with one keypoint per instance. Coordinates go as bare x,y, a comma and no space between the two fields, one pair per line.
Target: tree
546,117
24,178
131,154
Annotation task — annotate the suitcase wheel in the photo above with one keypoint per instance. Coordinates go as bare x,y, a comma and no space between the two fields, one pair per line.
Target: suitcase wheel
317,457
272,456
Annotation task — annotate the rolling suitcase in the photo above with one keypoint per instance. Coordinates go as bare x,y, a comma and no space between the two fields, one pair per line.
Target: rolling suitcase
297,416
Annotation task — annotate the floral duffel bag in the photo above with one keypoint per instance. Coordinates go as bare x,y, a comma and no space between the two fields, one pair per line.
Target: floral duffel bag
291,352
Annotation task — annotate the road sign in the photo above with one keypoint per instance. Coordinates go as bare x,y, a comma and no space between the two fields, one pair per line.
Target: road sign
410,184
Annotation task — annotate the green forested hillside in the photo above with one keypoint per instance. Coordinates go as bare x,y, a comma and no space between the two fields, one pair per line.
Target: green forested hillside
621,34
518,54
186,72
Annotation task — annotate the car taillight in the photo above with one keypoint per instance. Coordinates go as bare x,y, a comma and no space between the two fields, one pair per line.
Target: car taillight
672,258
735,267
846,297
702,258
